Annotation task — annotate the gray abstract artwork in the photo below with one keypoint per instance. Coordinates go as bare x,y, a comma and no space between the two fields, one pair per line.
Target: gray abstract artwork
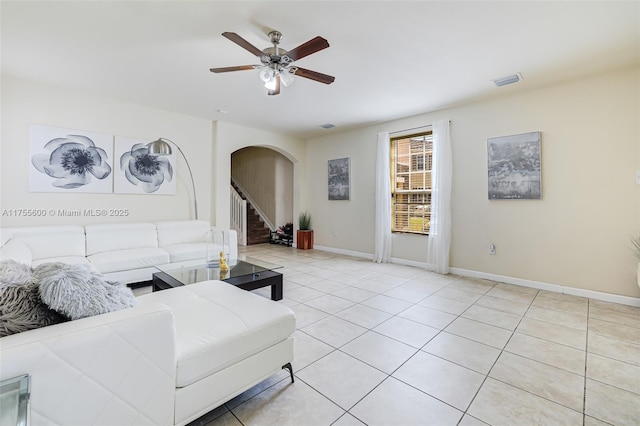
514,167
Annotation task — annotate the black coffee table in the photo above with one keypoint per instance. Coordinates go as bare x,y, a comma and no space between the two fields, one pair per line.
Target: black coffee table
246,273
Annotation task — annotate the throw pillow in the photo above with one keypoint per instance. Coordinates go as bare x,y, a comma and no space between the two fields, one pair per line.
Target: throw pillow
20,306
79,292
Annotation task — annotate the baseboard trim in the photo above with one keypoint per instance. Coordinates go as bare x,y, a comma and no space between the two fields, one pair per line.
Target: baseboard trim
345,252
598,295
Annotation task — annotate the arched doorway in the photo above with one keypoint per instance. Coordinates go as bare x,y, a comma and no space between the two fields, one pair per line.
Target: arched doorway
264,178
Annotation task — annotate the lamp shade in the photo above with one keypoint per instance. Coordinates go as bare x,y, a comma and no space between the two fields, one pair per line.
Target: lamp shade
272,84
266,74
286,78
159,146
163,147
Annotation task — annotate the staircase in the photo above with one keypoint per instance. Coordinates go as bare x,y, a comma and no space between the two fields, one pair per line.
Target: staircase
257,232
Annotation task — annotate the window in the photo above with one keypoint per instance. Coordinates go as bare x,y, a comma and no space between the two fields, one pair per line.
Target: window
411,166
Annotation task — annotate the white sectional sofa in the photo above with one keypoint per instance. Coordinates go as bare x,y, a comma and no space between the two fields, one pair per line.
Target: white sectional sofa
125,252
167,361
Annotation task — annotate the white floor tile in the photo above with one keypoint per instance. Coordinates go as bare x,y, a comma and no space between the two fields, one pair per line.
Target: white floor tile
480,332
341,378
615,373
444,304
396,403
291,404
441,379
611,404
363,316
334,331
359,322
553,332
328,303
387,304
307,349
379,351
546,352
460,350
551,383
406,331
498,403
492,317
427,316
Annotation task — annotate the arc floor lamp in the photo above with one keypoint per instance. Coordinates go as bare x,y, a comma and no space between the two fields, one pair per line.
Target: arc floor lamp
162,146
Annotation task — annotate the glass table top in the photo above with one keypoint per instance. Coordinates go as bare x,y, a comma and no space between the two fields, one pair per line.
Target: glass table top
197,271
14,401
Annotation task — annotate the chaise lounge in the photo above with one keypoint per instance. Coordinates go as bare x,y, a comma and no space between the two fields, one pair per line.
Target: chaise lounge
167,361
173,357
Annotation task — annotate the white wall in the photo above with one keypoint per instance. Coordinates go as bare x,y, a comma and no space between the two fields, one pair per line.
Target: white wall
229,138
25,103
576,236
284,190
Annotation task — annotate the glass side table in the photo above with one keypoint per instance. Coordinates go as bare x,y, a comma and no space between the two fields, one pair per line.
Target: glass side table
14,401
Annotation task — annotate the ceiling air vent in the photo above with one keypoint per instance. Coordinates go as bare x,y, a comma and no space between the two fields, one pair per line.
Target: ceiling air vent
507,80
327,126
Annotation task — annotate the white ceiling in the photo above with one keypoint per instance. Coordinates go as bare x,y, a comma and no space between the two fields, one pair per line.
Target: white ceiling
391,59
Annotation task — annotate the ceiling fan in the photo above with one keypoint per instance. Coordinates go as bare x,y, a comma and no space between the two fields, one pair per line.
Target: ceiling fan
277,64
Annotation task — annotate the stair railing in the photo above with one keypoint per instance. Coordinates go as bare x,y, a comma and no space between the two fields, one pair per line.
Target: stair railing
250,200
239,216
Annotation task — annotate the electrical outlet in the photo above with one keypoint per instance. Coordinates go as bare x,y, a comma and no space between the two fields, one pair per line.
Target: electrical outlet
492,249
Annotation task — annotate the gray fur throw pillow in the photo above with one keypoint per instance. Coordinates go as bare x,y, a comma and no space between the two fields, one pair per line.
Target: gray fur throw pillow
78,292
21,308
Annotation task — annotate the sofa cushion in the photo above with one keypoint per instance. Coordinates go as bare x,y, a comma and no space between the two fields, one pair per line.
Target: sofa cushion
16,250
219,324
182,231
73,260
50,241
21,308
104,238
125,260
190,251
78,292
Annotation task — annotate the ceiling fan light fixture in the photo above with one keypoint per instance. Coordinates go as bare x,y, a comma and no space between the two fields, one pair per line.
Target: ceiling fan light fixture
266,74
286,78
276,63
271,84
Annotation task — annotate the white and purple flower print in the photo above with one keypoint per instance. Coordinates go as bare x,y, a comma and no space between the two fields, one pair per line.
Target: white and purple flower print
148,171
73,161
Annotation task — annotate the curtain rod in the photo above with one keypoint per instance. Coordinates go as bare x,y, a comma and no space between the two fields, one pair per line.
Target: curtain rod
413,128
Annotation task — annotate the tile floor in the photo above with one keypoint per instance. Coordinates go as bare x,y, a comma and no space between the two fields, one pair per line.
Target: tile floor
384,344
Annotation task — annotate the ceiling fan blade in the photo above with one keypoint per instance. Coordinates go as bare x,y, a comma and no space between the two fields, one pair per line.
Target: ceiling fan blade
306,49
229,69
243,43
276,91
314,75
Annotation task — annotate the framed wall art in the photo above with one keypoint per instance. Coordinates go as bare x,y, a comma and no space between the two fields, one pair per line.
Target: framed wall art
339,179
514,167
137,171
66,160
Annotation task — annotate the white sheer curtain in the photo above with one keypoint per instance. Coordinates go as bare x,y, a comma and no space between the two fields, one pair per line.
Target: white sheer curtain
383,202
440,229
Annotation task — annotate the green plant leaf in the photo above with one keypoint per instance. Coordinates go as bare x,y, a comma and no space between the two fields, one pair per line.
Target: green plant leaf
304,221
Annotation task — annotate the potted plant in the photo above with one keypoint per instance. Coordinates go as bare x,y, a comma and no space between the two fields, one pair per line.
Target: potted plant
305,233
